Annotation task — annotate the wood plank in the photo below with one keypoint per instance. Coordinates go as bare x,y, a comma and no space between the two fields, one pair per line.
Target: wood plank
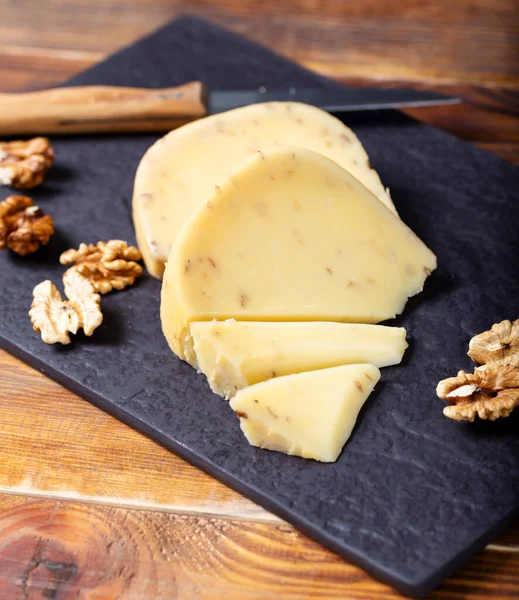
27,69
471,41
52,549
509,152
489,129
57,52
490,124
53,443
487,118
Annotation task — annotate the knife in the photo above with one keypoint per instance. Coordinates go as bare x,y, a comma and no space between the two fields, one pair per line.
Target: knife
107,109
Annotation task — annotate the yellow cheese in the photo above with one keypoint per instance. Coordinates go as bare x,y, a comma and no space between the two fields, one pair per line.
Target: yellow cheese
309,414
180,171
290,236
236,354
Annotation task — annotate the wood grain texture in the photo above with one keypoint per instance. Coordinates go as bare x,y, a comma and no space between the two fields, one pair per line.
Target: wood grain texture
53,443
155,527
473,41
100,109
59,447
469,47
52,549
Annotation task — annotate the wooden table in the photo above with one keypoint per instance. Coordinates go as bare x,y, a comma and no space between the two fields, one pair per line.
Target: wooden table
89,508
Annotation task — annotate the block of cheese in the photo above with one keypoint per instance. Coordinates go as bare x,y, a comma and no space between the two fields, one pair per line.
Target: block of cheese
235,354
180,171
290,236
309,414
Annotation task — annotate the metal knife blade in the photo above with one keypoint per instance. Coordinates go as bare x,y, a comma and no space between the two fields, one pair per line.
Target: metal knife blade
331,100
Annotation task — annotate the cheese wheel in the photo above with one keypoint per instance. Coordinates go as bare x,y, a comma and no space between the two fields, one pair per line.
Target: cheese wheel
290,236
181,171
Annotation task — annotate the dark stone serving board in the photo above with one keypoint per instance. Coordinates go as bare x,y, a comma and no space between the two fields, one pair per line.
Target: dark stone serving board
414,494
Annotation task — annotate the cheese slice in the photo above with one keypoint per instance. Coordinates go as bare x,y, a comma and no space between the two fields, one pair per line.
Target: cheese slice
309,414
180,171
290,236
236,354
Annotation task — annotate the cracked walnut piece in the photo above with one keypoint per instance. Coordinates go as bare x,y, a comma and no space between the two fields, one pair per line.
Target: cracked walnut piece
499,345
24,164
56,318
23,226
490,392
108,265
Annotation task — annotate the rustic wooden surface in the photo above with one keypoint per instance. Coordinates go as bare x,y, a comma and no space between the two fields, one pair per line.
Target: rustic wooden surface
91,509
154,524
469,47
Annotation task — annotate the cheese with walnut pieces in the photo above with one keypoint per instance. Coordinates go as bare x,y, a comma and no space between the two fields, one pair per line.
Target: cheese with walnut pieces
182,170
310,414
234,354
290,236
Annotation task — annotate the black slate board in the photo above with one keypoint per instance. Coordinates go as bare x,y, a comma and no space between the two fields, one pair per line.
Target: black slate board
414,495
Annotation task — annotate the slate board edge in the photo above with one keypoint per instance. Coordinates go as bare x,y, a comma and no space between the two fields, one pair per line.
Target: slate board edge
413,589
325,81
321,80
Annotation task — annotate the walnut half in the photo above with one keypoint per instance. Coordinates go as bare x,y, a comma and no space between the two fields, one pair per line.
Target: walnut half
55,318
24,164
490,392
108,265
499,345
23,226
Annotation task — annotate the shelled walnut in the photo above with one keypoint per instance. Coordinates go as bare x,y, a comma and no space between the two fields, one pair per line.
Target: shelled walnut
108,265
499,345
24,164
23,226
490,392
55,318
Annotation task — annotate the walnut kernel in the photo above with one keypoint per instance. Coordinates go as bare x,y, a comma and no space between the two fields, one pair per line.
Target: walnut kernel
23,226
499,345
108,265
490,392
55,318
24,164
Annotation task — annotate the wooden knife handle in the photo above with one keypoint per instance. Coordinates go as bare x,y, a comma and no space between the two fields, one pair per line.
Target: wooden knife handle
101,109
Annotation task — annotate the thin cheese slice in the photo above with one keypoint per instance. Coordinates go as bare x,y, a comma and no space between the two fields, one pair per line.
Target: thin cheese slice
290,236
309,414
235,354
180,171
